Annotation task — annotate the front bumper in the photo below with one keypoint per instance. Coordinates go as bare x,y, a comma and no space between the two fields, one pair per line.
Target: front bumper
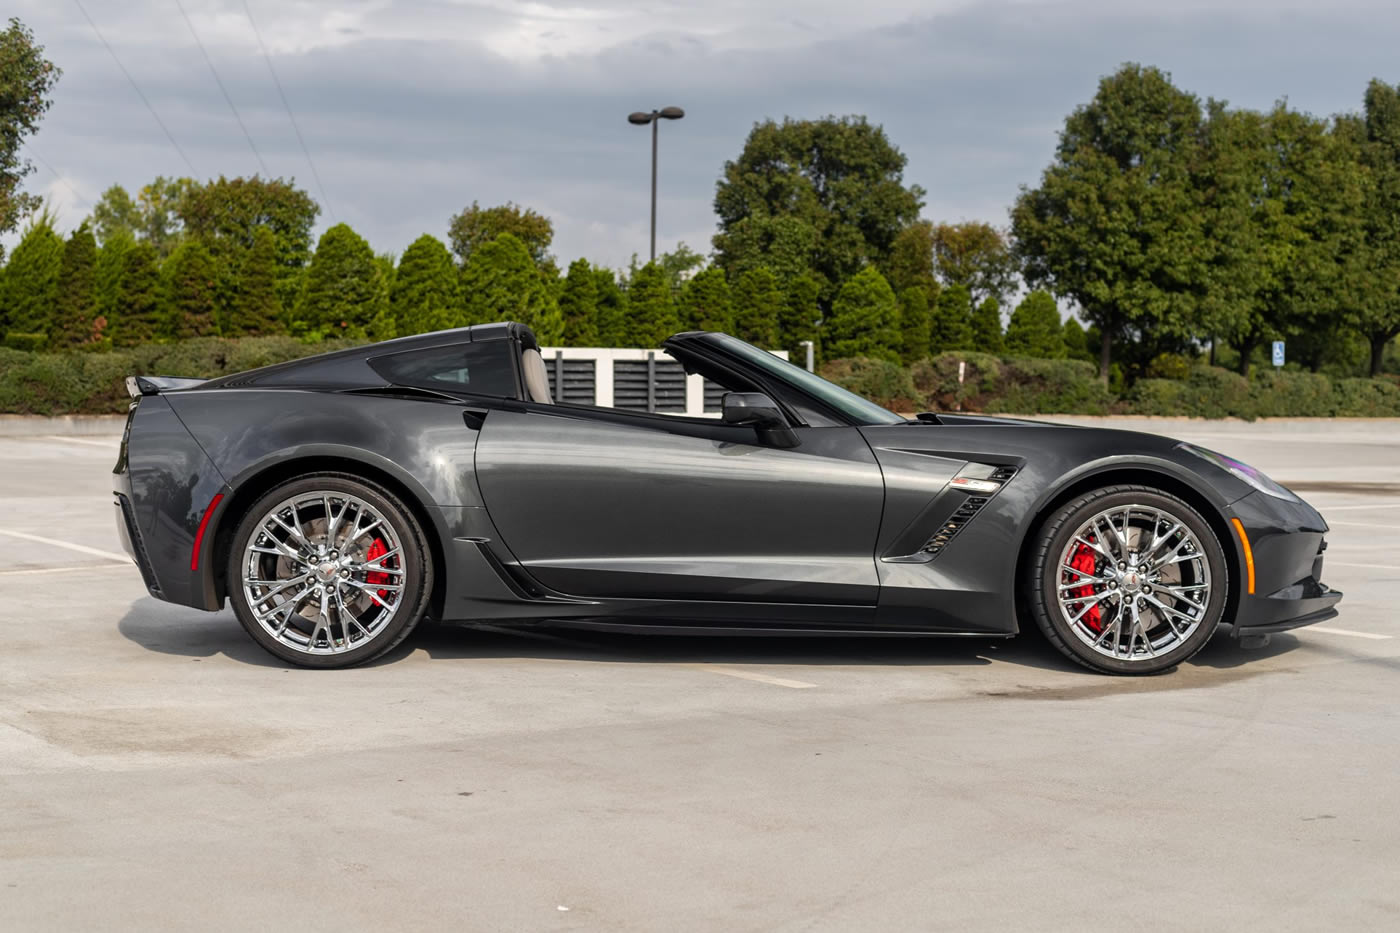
1287,544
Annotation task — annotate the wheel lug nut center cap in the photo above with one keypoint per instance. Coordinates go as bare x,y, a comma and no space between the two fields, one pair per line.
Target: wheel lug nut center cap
327,570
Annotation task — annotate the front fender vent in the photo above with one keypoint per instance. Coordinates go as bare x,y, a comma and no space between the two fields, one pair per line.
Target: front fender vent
966,512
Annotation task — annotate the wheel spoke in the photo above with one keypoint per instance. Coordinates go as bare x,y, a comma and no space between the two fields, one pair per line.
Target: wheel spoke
361,611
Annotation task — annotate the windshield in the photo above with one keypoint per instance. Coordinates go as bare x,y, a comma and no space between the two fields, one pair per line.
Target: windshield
859,410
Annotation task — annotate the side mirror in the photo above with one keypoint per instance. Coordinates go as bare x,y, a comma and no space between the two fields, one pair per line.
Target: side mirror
761,413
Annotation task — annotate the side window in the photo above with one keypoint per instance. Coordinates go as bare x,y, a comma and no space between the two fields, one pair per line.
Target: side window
485,368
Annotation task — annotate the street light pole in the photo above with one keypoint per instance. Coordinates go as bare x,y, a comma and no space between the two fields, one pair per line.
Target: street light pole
642,118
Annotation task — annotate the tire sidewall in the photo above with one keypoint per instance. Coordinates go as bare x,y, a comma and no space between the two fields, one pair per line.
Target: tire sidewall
1056,536
404,525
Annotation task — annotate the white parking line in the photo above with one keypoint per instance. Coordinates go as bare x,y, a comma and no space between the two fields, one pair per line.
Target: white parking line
80,548
1342,563
1353,508
1347,631
20,573
750,675
105,445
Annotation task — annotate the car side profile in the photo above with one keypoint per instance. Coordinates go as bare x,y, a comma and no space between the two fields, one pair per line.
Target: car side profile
337,500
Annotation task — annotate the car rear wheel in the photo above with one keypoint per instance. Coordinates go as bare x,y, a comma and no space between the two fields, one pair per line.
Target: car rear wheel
329,571
1127,580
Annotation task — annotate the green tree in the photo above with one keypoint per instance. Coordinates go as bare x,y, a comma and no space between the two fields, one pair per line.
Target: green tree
500,282
800,315
975,255
344,290
424,296
758,304
31,279
986,326
864,319
578,305
476,226
1375,313
1077,345
190,285
612,308
111,266
916,322
706,303
840,179
911,260
227,213
160,223
27,79
786,245
75,312
115,214
952,320
137,317
1035,330
1113,223
256,309
677,265
651,309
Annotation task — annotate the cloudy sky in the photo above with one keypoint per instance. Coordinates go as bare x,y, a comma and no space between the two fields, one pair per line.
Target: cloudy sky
411,109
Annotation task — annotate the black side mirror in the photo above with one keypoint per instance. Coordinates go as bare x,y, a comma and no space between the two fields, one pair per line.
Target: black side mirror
760,412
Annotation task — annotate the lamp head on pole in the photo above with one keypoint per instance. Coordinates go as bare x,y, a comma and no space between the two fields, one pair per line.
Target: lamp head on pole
642,117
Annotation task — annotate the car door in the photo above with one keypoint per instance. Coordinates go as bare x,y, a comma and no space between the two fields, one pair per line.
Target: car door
607,504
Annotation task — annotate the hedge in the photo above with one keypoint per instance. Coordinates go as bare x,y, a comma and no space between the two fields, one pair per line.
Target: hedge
93,383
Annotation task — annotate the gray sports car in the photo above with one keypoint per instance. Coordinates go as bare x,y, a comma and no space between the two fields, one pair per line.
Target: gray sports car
337,500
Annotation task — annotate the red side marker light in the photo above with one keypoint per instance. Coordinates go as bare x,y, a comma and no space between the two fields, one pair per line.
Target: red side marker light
203,524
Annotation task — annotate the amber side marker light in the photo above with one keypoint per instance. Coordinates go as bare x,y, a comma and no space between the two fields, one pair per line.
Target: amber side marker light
1248,553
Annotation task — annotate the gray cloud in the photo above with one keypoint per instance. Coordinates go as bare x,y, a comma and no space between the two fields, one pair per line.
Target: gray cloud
413,110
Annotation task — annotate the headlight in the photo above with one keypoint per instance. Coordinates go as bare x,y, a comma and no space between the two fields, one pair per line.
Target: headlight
1243,472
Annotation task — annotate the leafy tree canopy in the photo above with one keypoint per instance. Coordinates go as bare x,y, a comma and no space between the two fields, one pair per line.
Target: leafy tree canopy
578,305
27,80
31,279
476,225
758,305
975,255
839,178
344,290
1112,224
706,303
75,313
651,309
951,325
191,300
915,323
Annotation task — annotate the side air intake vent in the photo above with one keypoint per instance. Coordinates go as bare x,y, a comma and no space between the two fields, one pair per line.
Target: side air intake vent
955,523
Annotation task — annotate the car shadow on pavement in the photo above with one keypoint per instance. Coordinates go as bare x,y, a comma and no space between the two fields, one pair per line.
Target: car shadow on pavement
170,629
175,630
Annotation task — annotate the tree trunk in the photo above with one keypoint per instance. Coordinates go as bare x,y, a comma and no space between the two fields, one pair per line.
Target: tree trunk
1378,353
1105,354
1246,348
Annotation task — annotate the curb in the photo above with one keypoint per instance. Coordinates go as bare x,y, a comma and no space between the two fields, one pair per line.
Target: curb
63,425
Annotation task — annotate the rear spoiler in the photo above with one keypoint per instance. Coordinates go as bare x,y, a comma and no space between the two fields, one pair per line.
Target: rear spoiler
155,385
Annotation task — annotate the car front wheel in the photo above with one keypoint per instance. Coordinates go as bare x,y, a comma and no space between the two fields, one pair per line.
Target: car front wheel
1127,580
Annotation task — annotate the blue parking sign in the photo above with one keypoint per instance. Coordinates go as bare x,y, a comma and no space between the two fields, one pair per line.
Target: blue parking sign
1278,352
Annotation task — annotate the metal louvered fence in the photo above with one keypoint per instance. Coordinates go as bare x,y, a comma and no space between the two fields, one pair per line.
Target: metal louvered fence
633,380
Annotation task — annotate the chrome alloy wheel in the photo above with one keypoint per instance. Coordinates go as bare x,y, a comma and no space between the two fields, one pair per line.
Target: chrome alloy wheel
323,572
1133,582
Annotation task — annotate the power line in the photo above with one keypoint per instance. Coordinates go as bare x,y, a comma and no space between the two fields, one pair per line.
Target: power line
297,129
137,88
217,80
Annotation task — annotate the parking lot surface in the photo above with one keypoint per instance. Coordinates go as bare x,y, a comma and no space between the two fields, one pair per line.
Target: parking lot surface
159,771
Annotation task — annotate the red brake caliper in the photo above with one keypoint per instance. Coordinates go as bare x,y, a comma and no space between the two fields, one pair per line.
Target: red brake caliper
376,577
1085,563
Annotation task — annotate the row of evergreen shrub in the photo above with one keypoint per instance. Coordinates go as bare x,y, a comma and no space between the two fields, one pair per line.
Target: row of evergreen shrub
93,383
1034,386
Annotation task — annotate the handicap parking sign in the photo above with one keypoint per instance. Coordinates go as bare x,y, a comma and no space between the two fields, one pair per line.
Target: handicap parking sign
1278,352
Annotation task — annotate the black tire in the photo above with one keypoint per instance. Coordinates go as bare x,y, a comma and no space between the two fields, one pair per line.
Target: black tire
417,567
1043,578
